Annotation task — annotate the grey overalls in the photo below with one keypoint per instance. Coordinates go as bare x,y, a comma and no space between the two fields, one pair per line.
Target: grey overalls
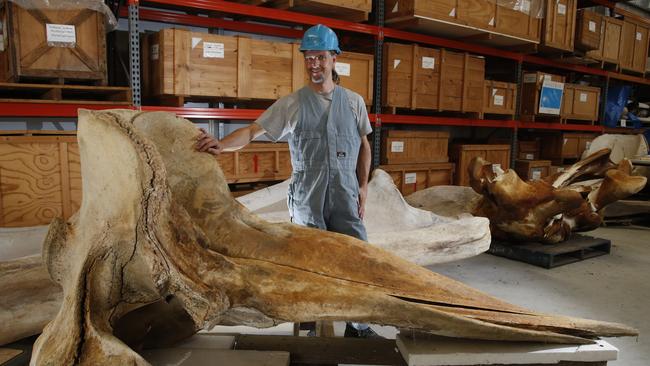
324,190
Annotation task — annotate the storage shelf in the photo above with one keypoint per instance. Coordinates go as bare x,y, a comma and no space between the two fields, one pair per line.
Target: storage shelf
379,32
20,109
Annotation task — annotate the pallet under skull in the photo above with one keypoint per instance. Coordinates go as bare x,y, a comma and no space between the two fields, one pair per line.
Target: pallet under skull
159,250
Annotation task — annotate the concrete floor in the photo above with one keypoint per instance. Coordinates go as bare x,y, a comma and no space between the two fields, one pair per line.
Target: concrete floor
614,287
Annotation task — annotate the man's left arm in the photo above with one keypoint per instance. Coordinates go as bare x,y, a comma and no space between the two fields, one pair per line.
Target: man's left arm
363,172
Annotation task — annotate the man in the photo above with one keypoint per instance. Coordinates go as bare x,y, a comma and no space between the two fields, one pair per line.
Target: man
327,127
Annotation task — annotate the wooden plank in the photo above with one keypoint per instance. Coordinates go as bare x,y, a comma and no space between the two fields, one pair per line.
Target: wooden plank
298,75
318,350
243,66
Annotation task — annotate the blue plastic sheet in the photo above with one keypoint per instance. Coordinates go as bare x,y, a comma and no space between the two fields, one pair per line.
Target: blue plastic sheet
617,96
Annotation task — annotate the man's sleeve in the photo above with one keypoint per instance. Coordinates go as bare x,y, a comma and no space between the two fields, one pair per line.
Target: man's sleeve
274,120
363,122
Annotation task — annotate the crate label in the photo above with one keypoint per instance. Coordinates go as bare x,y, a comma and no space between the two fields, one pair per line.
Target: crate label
530,78
213,50
396,7
496,168
550,97
498,100
639,36
155,49
583,97
494,91
60,35
530,157
623,123
452,13
397,146
592,26
396,63
524,6
196,41
342,68
410,178
491,22
428,62
537,174
565,141
561,9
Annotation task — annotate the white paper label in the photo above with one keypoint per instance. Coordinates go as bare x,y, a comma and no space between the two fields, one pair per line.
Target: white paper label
623,123
530,156
396,63
396,7
213,50
561,9
60,33
547,77
592,26
397,146
491,22
494,91
196,41
525,6
410,178
452,13
428,62
530,78
537,174
496,168
583,97
498,100
565,141
639,36
342,68
154,51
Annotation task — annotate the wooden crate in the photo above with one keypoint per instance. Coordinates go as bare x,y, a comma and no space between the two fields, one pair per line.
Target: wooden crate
610,40
258,161
412,178
411,76
634,46
407,147
530,93
528,150
481,21
461,82
351,10
40,178
462,155
518,24
178,62
588,30
499,98
355,70
567,145
580,102
426,78
532,169
558,30
77,51
555,169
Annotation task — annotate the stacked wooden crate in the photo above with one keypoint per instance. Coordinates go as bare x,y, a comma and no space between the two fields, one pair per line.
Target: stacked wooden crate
499,98
535,105
462,155
589,30
43,48
608,50
416,159
634,46
580,103
565,146
532,169
180,65
434,79
488,21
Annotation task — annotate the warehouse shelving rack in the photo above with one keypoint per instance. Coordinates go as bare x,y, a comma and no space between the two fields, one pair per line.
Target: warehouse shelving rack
158,10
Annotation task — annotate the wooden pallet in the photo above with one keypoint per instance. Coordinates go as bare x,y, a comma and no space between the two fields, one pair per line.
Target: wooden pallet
575,249
55,93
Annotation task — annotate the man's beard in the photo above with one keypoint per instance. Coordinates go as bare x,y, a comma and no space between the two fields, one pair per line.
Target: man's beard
318,79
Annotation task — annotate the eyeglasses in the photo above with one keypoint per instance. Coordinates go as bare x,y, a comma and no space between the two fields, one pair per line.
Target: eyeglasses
313,59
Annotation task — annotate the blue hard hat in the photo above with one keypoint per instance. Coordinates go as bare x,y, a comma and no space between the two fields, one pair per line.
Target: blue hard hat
320,38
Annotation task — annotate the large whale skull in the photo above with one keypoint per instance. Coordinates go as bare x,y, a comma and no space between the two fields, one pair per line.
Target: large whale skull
159,250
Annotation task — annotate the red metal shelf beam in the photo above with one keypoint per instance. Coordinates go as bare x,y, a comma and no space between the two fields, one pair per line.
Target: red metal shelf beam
559,126
176,18
442,121
209,113
269,13
18,109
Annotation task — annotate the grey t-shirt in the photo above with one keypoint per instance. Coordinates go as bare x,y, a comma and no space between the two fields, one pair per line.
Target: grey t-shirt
281,118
